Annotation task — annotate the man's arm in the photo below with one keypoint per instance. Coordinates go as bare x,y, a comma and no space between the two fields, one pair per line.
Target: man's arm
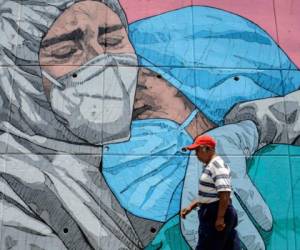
223,205
222,181
188,209
194,204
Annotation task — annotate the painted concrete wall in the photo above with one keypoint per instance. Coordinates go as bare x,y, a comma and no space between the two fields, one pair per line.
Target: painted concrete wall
99,97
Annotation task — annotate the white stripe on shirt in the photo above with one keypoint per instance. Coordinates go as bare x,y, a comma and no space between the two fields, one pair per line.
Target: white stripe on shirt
215,178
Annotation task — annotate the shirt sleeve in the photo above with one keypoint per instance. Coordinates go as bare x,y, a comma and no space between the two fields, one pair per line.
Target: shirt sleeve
221,177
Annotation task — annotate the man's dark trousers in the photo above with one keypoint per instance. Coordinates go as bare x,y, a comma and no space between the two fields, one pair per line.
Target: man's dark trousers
209,237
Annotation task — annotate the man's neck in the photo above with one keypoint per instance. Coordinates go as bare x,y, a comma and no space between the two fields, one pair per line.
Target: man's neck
211,158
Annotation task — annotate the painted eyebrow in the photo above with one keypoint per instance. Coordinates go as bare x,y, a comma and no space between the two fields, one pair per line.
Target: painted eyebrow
105,30
74,35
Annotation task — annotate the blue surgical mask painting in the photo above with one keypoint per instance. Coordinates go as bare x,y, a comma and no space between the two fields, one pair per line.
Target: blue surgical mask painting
146,172
96,100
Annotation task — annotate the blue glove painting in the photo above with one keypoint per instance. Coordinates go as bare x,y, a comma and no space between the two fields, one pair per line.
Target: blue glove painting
235,143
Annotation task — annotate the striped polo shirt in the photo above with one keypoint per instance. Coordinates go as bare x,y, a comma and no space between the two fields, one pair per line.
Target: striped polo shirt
215,178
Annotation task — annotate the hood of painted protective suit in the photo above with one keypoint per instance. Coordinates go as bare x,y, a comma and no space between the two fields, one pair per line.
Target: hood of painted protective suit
24,109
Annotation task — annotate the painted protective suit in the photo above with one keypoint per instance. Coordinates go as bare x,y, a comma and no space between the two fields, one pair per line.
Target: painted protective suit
53,195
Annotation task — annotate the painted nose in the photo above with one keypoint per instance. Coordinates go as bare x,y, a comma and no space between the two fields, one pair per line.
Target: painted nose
94,49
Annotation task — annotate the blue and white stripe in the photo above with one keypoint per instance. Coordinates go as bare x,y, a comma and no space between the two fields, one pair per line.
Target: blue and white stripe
215,178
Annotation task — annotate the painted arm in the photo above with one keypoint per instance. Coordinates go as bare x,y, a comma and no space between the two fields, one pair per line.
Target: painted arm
54,206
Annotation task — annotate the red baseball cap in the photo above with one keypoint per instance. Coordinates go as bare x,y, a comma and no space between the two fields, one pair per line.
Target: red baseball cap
202,140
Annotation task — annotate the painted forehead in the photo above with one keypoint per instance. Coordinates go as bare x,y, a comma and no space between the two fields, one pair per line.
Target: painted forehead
84,13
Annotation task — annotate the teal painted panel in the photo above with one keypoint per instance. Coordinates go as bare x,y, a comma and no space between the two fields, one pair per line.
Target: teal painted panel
276,179
169,237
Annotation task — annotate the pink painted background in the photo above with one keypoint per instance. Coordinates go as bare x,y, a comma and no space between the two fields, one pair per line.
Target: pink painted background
280,18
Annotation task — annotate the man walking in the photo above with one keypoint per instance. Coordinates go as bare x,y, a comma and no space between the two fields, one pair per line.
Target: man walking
217,216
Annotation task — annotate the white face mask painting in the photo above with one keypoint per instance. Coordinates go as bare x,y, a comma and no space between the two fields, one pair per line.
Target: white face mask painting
96,101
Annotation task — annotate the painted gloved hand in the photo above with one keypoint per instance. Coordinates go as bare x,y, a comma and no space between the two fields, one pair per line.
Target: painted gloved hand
235,143
277,118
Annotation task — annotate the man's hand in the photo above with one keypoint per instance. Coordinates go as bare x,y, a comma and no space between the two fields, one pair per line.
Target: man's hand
184,212
220,225
187,210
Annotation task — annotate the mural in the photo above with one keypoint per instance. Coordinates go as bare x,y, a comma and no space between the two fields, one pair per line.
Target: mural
95,111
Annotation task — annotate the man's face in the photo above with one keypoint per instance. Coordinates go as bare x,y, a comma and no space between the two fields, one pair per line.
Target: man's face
202,155
81,33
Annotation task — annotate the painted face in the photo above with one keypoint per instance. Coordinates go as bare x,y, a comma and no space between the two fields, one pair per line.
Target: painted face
89,72
82,32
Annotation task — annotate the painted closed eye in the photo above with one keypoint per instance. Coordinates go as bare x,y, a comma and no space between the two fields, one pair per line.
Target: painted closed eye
110,42
63,52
